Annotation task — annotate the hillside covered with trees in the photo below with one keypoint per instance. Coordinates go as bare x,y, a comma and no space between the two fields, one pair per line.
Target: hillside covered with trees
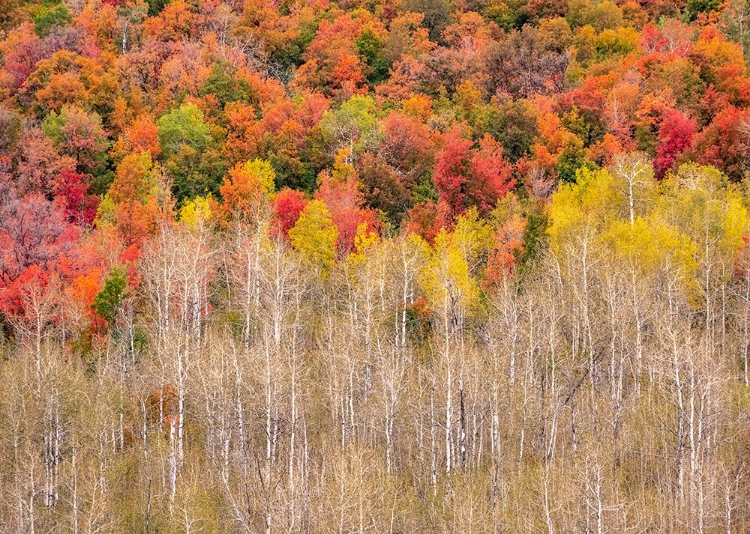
374,266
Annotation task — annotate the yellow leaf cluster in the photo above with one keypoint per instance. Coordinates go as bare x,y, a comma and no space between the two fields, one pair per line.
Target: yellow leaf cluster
697,221
196,213
590,204
449,278
314,236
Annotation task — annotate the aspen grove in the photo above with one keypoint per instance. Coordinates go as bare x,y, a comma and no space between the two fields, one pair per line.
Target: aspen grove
374,266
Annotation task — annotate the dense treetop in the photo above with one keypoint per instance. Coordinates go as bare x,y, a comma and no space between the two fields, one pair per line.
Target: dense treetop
402,114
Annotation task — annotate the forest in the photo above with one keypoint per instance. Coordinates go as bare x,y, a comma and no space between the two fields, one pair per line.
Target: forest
450,266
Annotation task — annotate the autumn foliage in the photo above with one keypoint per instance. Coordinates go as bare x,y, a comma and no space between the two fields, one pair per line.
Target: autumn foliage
361,232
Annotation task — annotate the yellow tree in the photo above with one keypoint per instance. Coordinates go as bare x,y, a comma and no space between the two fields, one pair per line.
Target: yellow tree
644,258
700,201
579,211
314,236
578,214
450,283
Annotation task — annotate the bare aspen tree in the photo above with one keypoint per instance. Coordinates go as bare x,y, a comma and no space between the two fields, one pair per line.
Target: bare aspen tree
178,267
637,177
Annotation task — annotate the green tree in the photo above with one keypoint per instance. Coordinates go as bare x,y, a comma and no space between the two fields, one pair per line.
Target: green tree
189,151
156,6
371,48
696,7
78,134
514,124
226,87
437,15
109,300
48,17
351,127
572,158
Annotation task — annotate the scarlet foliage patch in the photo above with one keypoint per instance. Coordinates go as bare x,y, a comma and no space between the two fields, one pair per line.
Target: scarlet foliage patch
287,206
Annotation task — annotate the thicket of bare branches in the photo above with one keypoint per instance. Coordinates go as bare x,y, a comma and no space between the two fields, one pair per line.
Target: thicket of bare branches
238,391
